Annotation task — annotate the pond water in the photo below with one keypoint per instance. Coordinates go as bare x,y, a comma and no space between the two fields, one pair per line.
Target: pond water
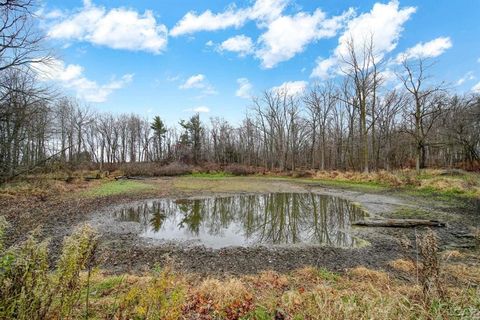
247,220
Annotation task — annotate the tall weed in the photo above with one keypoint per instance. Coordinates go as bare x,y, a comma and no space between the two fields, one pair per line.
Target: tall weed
29,289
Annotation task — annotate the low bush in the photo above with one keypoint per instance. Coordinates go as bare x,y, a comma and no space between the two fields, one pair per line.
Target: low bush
30,290
242,170
153,169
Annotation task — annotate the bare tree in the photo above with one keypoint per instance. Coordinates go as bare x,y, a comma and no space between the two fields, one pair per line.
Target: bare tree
320,102
360,65
20,41
425,107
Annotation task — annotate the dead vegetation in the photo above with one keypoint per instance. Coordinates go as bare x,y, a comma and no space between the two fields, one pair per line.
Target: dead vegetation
75,290
448,181
360,293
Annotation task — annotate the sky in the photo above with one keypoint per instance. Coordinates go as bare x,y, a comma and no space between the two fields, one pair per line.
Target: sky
175,58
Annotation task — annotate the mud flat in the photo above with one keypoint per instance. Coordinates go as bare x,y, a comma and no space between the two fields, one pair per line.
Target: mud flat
130,244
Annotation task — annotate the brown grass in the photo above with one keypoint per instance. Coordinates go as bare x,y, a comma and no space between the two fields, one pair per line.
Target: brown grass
307,293
403,265
41,188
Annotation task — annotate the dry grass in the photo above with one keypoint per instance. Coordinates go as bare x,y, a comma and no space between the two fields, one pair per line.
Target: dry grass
41,188
403,265
462,273
360,293
381,177
451,254
458,182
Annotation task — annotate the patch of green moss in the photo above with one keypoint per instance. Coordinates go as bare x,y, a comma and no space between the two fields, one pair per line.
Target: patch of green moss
453,197
325,274
216,175
118,187
411,213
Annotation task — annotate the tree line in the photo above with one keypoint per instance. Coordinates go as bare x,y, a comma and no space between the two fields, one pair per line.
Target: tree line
356,121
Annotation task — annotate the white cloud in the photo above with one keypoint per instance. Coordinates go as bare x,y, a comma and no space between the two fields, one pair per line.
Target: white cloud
198,81
383,25
388,76
291,88
476,88
288,35
244,88
208,21
323,67
262,10
118,28
199,109
467,77
209,43
71,77
267,10
240,44
430,49
285,35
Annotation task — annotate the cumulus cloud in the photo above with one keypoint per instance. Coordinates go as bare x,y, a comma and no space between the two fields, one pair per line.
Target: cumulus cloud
288,35
430,49
291,88
240,44
244,88
262,10
118,28
284,37
208,21
323,67
383,25
198,81
71,76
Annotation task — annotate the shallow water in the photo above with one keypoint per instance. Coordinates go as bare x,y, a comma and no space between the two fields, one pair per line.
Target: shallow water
248,220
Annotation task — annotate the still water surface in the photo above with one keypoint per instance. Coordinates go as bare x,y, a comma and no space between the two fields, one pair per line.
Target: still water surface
248,220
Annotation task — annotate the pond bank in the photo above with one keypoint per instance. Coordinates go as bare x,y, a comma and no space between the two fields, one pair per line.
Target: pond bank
123,251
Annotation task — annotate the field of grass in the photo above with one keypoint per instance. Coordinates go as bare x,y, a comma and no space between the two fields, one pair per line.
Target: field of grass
112,188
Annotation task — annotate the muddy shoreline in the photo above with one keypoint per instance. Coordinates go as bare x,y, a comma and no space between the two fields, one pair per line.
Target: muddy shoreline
123,251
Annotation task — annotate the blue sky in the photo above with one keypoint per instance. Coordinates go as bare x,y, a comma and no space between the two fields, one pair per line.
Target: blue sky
173,58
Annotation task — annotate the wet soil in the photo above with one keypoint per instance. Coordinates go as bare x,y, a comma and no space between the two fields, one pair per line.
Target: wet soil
121,250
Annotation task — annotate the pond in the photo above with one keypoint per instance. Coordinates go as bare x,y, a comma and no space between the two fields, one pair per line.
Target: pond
248,220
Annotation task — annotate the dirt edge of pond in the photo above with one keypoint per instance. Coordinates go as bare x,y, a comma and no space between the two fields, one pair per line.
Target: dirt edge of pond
125,252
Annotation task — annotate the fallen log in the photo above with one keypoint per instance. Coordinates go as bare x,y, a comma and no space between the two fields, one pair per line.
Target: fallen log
399,223
128,177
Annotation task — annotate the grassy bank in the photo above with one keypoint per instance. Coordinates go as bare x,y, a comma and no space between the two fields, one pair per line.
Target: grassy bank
443,184
307,293
74,289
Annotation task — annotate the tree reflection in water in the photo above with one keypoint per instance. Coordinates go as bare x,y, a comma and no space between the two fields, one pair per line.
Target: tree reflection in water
268,219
